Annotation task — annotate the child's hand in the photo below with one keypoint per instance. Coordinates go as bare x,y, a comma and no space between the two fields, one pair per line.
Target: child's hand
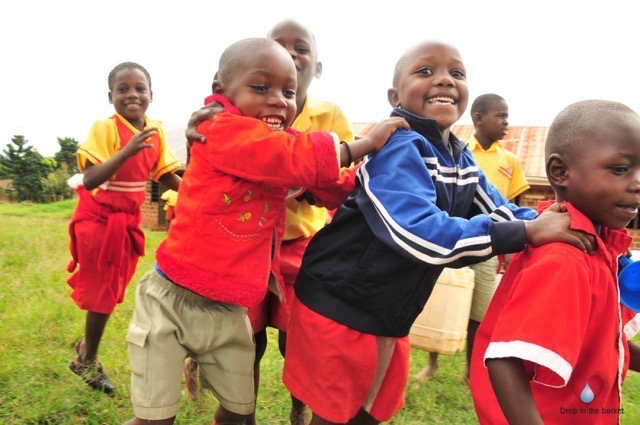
553,226
205,113
379,135
139,142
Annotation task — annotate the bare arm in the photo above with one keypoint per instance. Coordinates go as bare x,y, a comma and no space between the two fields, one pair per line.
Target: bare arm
96,174
170,180
634,352
511,386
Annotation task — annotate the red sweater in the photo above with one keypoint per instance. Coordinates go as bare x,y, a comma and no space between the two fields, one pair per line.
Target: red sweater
225,240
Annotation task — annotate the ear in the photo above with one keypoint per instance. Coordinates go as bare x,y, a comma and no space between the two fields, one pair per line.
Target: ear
557,172
476,118
393,98
216,87
150,96
318,73
110,101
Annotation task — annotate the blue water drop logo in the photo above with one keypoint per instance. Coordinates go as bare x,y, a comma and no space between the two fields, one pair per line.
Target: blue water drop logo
587,394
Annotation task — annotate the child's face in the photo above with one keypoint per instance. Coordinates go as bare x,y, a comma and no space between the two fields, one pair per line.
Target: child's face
131,94
265,87
495,122
603,180
432,84
302,47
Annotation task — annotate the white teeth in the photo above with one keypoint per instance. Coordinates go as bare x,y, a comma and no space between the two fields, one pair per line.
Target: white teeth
273,122
442,100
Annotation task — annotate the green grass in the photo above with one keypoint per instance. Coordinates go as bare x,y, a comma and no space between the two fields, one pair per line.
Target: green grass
39,324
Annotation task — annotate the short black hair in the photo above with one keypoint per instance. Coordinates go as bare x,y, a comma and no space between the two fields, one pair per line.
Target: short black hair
127,65
236,54
484,102
571,127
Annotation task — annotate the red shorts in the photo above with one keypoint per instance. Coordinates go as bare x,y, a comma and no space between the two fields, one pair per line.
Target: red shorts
270,311
96,290
330,367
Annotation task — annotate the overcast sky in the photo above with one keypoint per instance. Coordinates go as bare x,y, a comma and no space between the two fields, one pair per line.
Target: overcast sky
539,55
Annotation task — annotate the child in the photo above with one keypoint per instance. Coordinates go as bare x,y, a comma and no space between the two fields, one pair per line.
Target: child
302,219
490,114
170,197
117,159
222,251
555,337
421,204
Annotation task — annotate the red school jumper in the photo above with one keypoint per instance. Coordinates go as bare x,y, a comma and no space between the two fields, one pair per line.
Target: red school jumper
106,238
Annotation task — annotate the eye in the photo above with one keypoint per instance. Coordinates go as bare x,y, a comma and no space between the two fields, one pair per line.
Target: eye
290,93
457,73
619,170
302,50
259,88
425,71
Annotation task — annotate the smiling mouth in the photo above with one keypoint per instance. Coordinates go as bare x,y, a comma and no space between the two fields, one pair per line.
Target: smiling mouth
274,123
441,100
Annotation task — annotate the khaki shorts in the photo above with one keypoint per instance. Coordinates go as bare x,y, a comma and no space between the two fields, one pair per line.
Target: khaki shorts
485,284
170,323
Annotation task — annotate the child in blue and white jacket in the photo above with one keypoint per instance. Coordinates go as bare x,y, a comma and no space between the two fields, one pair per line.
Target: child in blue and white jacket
421,204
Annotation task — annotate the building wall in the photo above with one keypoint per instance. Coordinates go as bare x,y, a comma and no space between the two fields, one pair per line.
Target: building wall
152,212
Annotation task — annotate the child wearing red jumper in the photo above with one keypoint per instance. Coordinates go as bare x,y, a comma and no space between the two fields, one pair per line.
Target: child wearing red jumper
554,346
221,253
117,159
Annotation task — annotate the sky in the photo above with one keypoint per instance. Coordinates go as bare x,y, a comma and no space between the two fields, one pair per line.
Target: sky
540,56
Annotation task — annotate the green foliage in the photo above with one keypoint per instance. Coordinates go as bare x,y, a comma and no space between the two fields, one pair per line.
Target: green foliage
26,167
37,178
67,154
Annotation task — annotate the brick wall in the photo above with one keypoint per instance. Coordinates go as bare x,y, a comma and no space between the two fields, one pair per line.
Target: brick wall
151,217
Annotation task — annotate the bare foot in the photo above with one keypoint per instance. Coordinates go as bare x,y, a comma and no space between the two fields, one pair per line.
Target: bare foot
427,373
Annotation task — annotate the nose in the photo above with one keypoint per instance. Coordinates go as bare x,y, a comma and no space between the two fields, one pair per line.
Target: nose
278,100
635,182
444,79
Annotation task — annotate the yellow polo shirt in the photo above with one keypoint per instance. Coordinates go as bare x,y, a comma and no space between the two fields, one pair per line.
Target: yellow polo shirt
304,220
501,167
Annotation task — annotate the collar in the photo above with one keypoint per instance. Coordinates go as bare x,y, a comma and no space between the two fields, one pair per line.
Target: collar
222,100
428,128
475,145
614,242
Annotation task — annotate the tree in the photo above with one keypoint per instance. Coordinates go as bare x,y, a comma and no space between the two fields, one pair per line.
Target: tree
26,167
67,154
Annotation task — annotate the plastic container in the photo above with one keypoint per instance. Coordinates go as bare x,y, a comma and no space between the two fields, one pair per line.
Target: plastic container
442,325
629,282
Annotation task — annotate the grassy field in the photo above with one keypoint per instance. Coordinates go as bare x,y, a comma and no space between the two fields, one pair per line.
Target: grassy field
39,324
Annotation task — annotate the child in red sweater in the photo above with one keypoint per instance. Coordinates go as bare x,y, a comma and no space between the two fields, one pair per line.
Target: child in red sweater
221,253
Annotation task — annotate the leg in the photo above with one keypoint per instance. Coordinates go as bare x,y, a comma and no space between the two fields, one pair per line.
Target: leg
299,414
363,418
225,417
86,364
260,339
431,369
95,324
471,334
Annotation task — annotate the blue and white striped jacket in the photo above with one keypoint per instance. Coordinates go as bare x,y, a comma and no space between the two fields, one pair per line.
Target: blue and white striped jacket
418,208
